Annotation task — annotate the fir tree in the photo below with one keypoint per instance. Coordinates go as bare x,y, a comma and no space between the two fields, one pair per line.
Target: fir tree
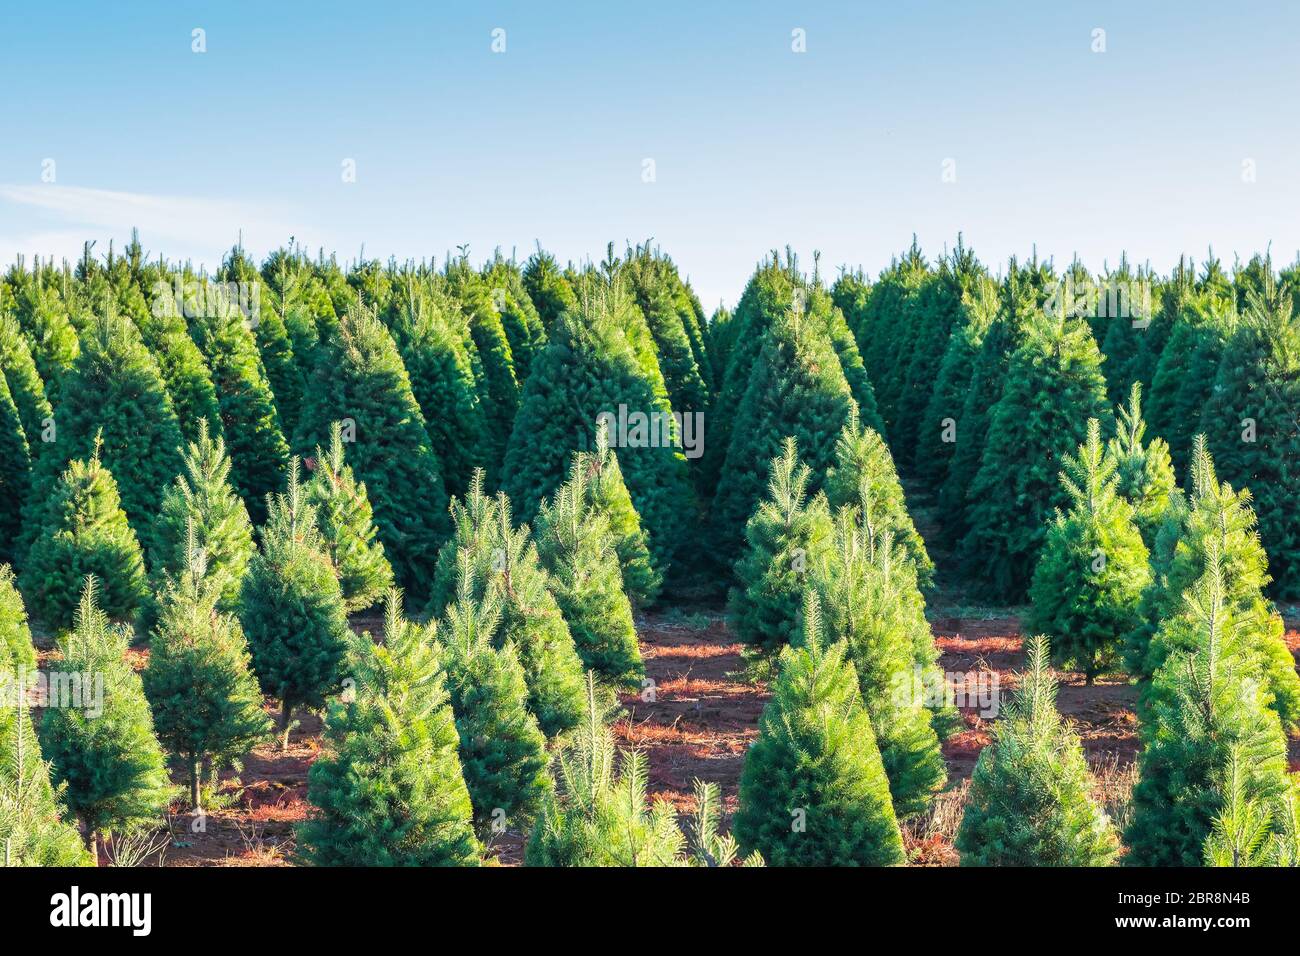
864,469
25,385
184,369
577,549
389,790
1247,831
498,386
1030,799
15,472
44,319
292,608
360,377
785,539
255,440
16,651
813,791
33,831
202,502
797,390
1008,507
519,317
1208,713
207,706
550,292
104,751
1093,566
502,749
600,814
347,526
83,531
1145,473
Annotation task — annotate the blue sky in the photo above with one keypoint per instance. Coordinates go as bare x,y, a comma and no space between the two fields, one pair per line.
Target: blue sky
839,149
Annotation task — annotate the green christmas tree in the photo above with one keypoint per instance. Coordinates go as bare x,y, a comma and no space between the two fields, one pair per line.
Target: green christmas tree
577,549
83,531
347,526
1144,471
1030,800
207,706
360,377
102,746
502,748
15,473
498,386
813,791
785,539
608,494
388,790
43,316
292,608
550,292
184,369
16,651
1249,832
1093,566
24,381
1208,715
1007,509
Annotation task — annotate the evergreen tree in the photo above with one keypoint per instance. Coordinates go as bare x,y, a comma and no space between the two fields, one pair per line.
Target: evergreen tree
360,377
389,790
1208,714
864,468
15,473
83,531
599,816
1250,422
519,317
292,608
347,526
502,749
866,586
24,381
577,549
32,829
813,791
284,374
1248,832
1030,800
43,316
1144,473
797,389
1008,507
114,399
607,493
16,651
785,539
1092,567
498,386
207,706
104,751
202,502
550,292
184,369
256,442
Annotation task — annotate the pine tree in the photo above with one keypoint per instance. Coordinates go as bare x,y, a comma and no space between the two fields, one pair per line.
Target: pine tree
886,325
360,377
347,526
1008,507
183,367
43,317
202,501
785,540
83,531
600,814
864,468
519,317
389,790
24,381
104,751
577,549
797,389
607,493
207,706
498,386
255,440
1208,714
1250,422
813,791
1030,799
1249,832
114,399
1093,566
502,748
15,472
1145,473
16,651
33,831
292,608
550,292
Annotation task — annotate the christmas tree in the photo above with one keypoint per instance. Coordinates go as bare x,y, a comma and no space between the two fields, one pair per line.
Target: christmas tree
102,746
83,531
549,291
184,369
207,706
15,472
1030,800
347,527
16,651
292,608
813,791
1145,473
25,385
498,386
1093,566
388,790
785,539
